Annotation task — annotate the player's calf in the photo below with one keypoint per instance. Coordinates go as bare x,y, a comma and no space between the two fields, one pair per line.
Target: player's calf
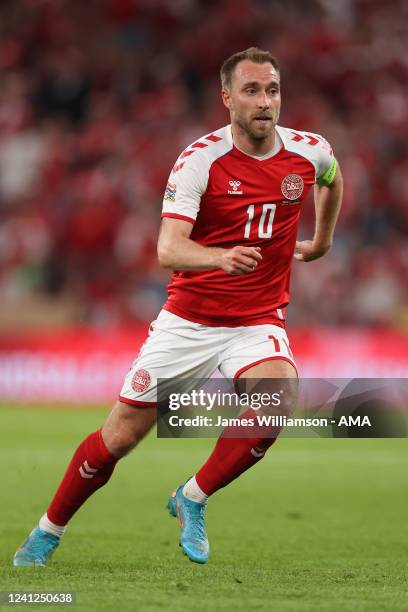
126,426
90,468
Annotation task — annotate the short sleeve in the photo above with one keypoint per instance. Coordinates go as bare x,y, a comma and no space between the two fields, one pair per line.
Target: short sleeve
187,183
326,165
314,148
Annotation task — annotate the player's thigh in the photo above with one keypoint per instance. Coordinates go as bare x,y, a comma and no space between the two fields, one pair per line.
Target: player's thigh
175,354
277,380
260,361
274,368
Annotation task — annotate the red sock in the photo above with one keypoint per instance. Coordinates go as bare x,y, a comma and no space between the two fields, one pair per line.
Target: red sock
232,456
90,468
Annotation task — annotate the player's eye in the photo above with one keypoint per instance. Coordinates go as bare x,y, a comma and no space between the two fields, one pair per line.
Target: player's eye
250,91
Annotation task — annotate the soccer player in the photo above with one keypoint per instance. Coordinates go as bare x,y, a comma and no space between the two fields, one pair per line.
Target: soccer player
230,216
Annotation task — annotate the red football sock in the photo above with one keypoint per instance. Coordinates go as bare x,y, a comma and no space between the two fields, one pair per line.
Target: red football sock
232,456
90,468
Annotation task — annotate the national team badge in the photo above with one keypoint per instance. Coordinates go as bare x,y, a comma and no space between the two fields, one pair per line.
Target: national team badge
292,186
170,192
141,381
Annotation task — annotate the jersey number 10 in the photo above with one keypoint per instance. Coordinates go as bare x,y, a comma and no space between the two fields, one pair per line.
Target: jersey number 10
265,222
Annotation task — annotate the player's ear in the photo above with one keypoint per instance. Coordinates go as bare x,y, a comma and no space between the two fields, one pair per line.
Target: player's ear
226,98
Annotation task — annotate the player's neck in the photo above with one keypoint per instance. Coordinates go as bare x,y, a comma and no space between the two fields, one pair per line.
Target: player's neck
252,146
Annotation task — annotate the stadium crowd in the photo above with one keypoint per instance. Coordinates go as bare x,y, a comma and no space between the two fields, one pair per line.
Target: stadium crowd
98,98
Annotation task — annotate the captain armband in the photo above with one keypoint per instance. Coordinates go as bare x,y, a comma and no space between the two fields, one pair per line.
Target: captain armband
328,177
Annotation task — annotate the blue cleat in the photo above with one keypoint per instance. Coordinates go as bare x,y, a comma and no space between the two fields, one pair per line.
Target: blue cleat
190,514
171,505
36,549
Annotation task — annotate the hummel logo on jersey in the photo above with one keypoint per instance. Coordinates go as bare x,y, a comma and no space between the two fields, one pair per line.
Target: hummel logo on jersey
234,185
86,471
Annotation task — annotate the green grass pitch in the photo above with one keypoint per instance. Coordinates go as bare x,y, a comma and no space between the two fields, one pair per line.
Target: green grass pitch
318,525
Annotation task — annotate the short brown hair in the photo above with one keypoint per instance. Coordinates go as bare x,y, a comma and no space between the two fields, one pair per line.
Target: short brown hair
253,54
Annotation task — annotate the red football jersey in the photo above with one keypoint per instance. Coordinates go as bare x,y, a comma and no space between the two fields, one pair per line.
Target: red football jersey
237,199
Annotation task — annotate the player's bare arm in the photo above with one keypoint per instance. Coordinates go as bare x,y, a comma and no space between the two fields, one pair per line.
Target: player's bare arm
327,206
177,251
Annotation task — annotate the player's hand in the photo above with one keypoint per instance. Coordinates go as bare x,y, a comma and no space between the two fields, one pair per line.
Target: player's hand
240,259
307,250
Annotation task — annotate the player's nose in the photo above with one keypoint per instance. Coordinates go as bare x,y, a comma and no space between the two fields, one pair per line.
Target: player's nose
263,101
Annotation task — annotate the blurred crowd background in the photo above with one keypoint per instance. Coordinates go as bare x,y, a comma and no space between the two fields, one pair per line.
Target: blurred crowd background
97,100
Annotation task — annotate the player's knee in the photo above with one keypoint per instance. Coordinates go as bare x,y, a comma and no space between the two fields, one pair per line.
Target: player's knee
275,396
286,399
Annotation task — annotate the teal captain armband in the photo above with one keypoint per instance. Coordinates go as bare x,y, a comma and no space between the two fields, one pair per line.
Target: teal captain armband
328,177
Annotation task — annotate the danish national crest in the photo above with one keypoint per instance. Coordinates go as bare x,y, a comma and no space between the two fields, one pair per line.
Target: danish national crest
141,381
292,186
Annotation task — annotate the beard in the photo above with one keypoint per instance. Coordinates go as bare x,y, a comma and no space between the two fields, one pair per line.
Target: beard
258,127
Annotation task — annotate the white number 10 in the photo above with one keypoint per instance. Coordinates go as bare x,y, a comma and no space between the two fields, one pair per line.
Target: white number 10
268,214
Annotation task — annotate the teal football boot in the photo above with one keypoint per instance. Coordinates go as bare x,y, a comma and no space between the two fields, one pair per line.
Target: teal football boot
190,514
36,549
171,505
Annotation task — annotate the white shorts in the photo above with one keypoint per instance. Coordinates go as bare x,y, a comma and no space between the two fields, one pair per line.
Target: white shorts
179,348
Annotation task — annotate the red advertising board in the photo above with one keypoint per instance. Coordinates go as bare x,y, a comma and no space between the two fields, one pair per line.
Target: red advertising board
87,365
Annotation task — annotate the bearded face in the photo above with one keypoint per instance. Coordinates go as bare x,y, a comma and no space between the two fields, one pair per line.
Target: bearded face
254,99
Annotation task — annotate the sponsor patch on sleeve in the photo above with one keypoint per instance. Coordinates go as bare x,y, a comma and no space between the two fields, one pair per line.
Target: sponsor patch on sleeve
170,192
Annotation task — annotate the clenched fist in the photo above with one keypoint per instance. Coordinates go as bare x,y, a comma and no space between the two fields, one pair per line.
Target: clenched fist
307,250
240,259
